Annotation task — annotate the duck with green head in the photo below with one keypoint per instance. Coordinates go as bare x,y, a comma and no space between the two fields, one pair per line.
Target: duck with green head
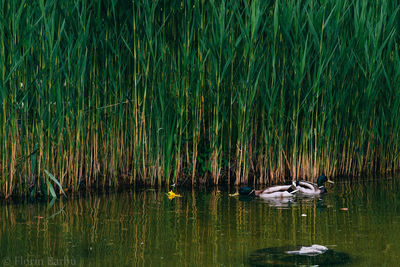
309,188
279,191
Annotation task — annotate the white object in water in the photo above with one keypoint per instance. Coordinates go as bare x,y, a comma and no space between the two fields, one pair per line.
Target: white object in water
310,251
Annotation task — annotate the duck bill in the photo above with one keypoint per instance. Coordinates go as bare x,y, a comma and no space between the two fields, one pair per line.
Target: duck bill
329,181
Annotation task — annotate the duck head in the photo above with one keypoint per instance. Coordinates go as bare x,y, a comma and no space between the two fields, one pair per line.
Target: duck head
322,180
246,191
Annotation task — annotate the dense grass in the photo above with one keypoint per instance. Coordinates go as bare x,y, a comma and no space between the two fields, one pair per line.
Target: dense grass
109,92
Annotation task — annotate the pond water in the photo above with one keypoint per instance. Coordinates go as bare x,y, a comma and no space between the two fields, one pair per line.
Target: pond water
205,227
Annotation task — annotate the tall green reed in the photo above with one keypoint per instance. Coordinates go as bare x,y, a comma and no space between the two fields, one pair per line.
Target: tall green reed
104,93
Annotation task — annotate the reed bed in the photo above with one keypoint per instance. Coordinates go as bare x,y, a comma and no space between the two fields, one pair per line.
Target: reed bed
104,93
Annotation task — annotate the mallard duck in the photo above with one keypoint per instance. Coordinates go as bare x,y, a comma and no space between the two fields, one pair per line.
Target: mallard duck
279,191
309,188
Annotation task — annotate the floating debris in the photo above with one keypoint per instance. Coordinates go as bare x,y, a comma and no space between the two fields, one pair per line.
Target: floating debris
310,251
172,195
298,256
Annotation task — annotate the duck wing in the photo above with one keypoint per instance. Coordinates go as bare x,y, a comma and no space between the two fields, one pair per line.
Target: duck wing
278,188
308,187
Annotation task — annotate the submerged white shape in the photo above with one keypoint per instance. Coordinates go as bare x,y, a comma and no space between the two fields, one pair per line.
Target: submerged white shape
311,251
320,247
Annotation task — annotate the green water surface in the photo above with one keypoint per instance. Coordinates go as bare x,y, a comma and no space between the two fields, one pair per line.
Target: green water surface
204,227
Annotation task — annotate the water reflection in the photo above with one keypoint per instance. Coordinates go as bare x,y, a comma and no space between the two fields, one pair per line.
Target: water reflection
205,227
280,202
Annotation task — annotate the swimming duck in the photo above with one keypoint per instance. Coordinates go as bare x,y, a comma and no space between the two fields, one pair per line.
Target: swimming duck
279,191
309,188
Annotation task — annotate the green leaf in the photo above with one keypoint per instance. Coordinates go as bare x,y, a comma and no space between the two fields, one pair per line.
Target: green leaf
51,189
55,180
276,19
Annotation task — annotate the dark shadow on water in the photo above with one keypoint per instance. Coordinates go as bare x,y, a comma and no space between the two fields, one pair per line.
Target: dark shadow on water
246,198
278,256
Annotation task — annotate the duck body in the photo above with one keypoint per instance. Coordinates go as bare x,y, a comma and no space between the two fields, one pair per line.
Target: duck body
279,191
309,188
277,194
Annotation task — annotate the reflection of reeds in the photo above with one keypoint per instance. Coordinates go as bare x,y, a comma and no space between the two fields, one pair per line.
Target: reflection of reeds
146,228
104,93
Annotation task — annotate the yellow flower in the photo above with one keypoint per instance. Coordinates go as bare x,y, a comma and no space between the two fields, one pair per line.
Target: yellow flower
172,195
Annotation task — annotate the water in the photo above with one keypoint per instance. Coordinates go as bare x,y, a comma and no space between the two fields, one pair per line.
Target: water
202,228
